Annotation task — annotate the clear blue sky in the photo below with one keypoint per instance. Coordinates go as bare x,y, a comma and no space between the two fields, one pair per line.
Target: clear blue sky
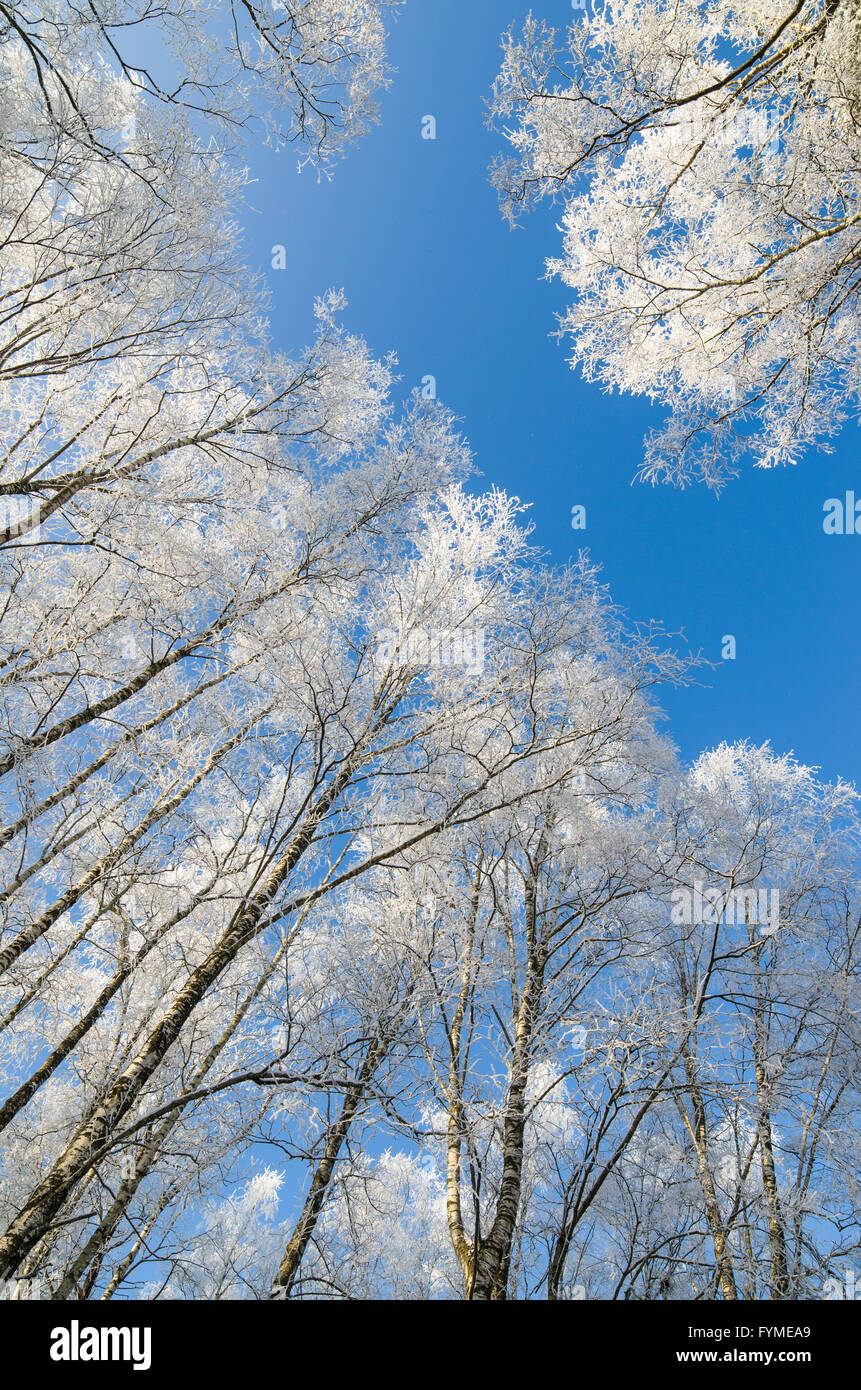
410,229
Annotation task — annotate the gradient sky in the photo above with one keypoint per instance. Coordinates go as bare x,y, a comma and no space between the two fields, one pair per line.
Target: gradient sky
410,229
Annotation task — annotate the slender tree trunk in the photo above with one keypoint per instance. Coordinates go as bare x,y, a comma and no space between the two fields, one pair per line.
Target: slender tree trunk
493,1256
774,1213
288,1269
698,1131
131,1255
464,1248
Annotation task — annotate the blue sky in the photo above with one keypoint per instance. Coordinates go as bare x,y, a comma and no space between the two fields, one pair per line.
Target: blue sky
411,230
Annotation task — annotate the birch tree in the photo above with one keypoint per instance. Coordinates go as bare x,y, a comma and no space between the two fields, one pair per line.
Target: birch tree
762,1011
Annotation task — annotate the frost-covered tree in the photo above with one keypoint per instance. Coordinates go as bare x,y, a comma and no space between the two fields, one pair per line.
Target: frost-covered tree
765,974
708,156
305,71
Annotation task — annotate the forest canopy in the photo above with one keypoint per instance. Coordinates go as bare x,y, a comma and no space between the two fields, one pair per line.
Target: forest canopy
362,933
